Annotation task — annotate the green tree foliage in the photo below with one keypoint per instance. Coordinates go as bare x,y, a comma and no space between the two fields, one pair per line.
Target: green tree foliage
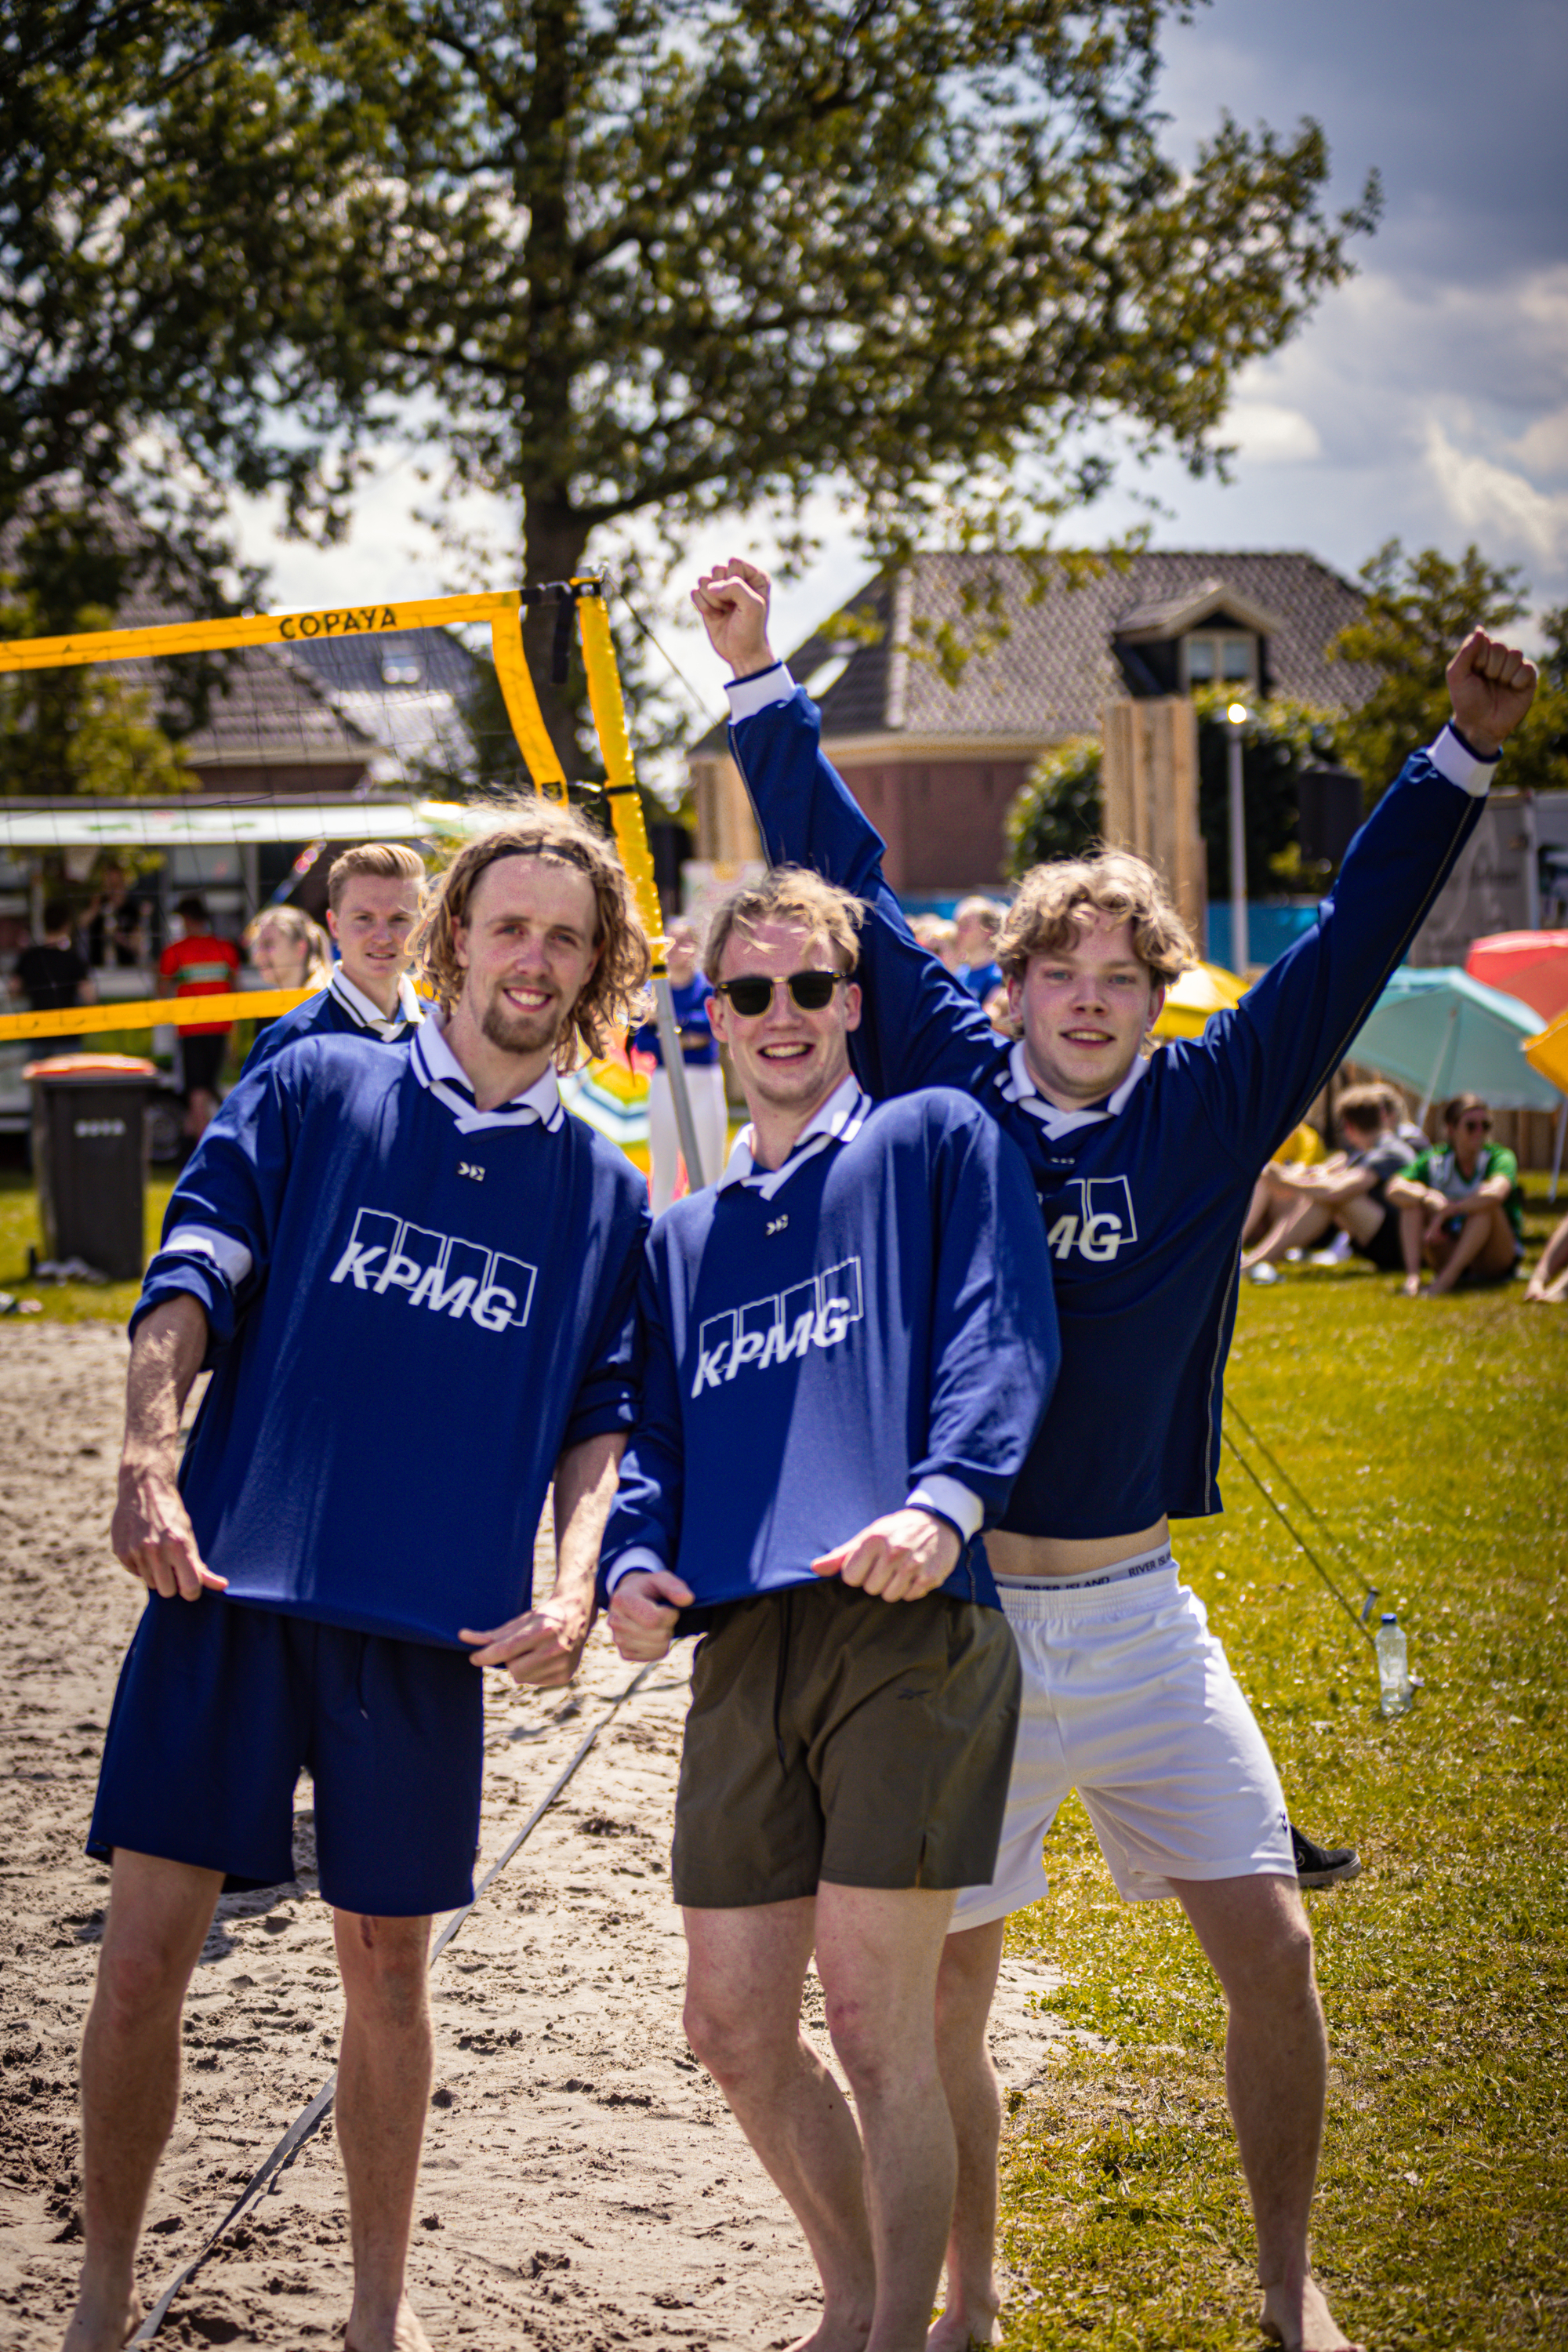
662,255
1060,811
83,731
1419,608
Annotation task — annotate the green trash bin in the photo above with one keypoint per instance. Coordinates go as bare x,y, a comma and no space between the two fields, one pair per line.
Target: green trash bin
89,1159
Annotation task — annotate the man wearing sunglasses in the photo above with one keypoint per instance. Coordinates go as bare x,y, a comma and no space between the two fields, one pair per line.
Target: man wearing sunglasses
1145,1168
1460,1209
850,1340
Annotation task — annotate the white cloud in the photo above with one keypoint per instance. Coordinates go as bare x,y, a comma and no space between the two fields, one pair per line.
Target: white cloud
1504,509
1271,436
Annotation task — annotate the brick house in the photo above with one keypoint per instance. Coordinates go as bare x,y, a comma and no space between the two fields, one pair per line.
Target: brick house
935,765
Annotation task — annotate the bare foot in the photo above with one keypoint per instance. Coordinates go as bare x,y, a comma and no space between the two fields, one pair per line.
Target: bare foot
1411,1287
1302,2321
956,2331
94,2328
404,2334
834,2334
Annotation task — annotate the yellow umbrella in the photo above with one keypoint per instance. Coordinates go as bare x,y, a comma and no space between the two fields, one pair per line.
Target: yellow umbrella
1193,1000
1548,1053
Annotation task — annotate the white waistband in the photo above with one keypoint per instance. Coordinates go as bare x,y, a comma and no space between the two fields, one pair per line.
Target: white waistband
1047,1596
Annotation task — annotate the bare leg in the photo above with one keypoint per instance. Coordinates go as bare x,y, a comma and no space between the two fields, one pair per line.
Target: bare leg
158,1913
877,1953
1413,1224
1303,1221
964,1986
746,1969
1256,1934
1487,1242
384,2089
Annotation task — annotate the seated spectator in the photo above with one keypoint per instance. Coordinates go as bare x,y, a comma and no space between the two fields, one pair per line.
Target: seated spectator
1548,1286
1397,1119
978,921
53,976
1460,1206
1347,1192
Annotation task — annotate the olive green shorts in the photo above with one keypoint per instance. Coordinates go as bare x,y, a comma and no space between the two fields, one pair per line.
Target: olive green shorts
834,1736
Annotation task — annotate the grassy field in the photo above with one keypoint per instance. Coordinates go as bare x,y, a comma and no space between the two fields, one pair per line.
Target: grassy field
1434,1439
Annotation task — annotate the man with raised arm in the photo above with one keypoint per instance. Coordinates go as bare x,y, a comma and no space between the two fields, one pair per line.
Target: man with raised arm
434,1209
850,1340
1144,1167
373,892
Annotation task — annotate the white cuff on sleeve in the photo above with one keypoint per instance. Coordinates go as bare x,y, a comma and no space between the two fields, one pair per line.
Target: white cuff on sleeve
232,1259
951,1501
639,1556
1461,766
749,694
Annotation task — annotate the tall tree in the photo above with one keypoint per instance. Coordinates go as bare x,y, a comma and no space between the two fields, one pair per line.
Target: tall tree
1418,608
665,256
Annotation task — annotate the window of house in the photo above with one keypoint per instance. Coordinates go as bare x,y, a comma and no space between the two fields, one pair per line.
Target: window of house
1224,658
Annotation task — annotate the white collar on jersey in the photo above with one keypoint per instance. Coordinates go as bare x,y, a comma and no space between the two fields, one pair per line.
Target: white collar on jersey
437,1069
1018,1087
839,1120
368,1013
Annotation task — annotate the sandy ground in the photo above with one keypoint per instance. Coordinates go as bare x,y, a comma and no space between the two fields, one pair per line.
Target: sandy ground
583,2182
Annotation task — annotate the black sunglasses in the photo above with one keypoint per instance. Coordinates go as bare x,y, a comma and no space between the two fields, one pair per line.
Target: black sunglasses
751,995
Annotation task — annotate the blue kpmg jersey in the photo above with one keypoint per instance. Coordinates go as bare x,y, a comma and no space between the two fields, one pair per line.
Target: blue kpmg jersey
364,1241
339,1010
1143,1200
870,1324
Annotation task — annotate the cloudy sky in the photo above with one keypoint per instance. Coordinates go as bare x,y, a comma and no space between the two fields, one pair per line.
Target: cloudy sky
1427,400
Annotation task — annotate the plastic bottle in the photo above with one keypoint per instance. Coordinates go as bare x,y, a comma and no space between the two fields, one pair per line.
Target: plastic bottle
1393,1665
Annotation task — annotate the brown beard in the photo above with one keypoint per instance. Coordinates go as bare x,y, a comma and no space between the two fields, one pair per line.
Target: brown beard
516,1033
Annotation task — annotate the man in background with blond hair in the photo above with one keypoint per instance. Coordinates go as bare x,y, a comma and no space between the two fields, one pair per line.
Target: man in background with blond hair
373,894
1144,1167
433,1209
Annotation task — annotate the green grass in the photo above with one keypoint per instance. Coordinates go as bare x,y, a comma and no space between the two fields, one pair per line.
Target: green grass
66,1302
1434,1439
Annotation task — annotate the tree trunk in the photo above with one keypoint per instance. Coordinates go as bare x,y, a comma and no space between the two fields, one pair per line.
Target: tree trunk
554,541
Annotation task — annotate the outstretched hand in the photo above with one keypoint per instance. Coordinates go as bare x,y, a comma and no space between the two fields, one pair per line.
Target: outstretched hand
902,1556
1491,686
734,601
644,1607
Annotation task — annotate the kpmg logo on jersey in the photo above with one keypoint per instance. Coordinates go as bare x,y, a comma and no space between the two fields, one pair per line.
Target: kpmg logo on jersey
440,1271
1096,1222
768,1331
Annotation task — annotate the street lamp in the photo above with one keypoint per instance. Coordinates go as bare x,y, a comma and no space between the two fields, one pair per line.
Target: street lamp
1240,947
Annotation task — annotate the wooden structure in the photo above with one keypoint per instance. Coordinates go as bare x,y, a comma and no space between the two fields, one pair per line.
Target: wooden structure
1150,779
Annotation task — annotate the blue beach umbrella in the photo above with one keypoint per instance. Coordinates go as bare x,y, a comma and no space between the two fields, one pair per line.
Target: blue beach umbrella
1445,1033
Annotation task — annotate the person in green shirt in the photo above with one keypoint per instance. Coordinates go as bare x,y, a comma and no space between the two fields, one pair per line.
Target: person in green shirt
1459,1205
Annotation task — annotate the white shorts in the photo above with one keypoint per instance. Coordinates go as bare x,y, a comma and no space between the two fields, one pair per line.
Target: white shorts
1129,1699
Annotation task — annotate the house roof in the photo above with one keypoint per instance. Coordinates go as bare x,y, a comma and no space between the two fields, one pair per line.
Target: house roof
1052,673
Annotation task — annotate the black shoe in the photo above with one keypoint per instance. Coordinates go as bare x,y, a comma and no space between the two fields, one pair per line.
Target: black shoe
1321,1866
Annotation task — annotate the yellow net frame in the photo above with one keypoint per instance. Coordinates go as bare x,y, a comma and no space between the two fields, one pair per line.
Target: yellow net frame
503,611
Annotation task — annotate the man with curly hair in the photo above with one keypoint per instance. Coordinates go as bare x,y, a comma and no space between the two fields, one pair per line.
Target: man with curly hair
1144,1168
432,1207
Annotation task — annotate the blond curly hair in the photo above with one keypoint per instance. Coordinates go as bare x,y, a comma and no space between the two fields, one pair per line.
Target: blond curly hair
612,997
1058,901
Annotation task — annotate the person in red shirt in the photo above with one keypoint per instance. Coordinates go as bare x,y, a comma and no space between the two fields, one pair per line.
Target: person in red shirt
198,963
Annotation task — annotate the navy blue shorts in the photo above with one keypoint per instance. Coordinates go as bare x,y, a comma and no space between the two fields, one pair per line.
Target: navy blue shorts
220,1706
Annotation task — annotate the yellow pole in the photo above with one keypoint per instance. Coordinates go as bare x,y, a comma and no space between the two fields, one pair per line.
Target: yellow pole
609,708
523,704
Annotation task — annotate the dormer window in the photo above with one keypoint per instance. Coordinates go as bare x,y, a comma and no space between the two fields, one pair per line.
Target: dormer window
1220,658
